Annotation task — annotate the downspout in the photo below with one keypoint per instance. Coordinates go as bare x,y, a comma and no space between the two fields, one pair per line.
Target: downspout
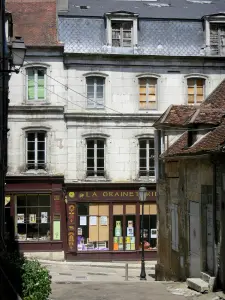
215,237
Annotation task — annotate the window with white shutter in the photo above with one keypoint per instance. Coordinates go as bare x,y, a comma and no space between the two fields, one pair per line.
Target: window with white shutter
217,38
95,92
174,227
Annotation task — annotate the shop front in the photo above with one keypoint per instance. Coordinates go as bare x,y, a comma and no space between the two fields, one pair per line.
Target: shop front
35,215
105,224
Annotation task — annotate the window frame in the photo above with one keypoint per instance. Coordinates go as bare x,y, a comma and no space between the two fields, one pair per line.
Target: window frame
95,102
95,171
195,78
147,167
35,150
121,31
148,86
122,16
35,70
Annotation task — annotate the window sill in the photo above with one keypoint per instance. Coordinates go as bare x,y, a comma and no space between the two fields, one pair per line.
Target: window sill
36,102
115,251
96,178
147,178
36,172
38,242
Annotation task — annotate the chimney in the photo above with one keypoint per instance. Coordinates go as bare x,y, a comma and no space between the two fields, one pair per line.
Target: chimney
62,5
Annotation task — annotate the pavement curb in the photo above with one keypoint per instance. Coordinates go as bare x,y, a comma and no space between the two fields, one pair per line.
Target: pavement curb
148,266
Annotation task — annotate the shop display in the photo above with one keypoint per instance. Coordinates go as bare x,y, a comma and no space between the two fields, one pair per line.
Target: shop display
83,220
56,230
153,233
32,218
44,217
20,218
103,221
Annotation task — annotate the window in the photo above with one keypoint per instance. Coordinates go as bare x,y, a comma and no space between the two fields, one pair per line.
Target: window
217,38
36,84
124,227
36,150
196,90
33,217
148,93
93,227
146,157
122,33
149,226
174,226
95,92
95,157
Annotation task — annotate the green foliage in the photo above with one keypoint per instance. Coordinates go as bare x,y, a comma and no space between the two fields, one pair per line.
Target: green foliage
36,281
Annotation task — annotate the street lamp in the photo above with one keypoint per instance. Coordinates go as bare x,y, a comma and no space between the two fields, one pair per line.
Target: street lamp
142,197
18,52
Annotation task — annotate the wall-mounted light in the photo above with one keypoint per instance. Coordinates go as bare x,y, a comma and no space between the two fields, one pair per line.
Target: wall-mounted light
17,55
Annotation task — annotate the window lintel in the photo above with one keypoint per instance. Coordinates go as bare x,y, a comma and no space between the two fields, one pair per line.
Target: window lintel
36,65
148,75
196,76
120,15
145,136
36,128
214,17
95,74
95,136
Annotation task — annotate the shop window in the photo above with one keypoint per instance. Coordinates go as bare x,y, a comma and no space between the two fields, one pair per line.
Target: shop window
8,220
36,84
148,93
36,150
196,90
124,228
93,227
32,221
95,157
146,157
150,227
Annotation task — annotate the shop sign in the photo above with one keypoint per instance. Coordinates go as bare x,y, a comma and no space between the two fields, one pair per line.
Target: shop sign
111,195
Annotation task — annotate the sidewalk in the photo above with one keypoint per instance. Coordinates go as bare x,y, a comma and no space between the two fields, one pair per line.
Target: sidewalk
117,265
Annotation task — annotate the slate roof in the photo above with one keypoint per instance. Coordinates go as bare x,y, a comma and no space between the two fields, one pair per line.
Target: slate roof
35,21
211,113
170,9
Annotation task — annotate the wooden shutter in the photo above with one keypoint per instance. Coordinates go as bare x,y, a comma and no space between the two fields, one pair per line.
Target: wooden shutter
174,227
214,38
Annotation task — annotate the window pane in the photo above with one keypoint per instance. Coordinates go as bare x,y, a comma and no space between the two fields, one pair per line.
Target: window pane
142,81
31,156
100,82
41,156
90,143
44,232
31,136
100,163
83,209
32,232
142,144
143,163
90,81
90,153
90,163
44,200
41,136
31,146
21,200
118,233
21,232
32,200
151,143
115,43
146,232
191,99
100,153
41,84
126,25
100,144
41,146
31,84
130,233
142,153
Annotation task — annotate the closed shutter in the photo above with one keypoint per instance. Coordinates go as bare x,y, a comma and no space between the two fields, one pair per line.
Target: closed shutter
174,227
214,38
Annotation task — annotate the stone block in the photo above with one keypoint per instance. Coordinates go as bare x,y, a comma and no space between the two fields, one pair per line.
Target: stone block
198,285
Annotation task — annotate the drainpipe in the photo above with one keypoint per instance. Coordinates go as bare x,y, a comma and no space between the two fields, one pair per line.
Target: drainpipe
214,220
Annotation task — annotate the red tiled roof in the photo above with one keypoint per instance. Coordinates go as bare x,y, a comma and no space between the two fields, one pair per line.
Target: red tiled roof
176,115
34,21
216,99
211,142
207,116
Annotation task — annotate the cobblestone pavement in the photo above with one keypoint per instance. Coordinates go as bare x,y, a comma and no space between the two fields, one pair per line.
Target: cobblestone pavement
112,291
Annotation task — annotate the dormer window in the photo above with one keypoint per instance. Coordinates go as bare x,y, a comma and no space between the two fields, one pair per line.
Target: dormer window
217,38
121,29
122,33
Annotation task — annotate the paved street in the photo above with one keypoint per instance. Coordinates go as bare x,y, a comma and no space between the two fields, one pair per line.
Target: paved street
113,291
106,281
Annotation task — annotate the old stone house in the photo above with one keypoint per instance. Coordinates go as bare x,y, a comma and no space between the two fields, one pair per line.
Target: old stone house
190,188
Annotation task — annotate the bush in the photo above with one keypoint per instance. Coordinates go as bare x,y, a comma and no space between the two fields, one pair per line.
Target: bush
36,281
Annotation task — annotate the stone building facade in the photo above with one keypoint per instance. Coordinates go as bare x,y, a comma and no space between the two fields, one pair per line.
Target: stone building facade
81,116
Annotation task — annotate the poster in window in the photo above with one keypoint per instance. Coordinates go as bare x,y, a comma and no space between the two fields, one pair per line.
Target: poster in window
130,231
118,229
32,218
44,217
20,218
56,230
103,221
79,231
145,234
130,223
83,220
153,233
93,220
